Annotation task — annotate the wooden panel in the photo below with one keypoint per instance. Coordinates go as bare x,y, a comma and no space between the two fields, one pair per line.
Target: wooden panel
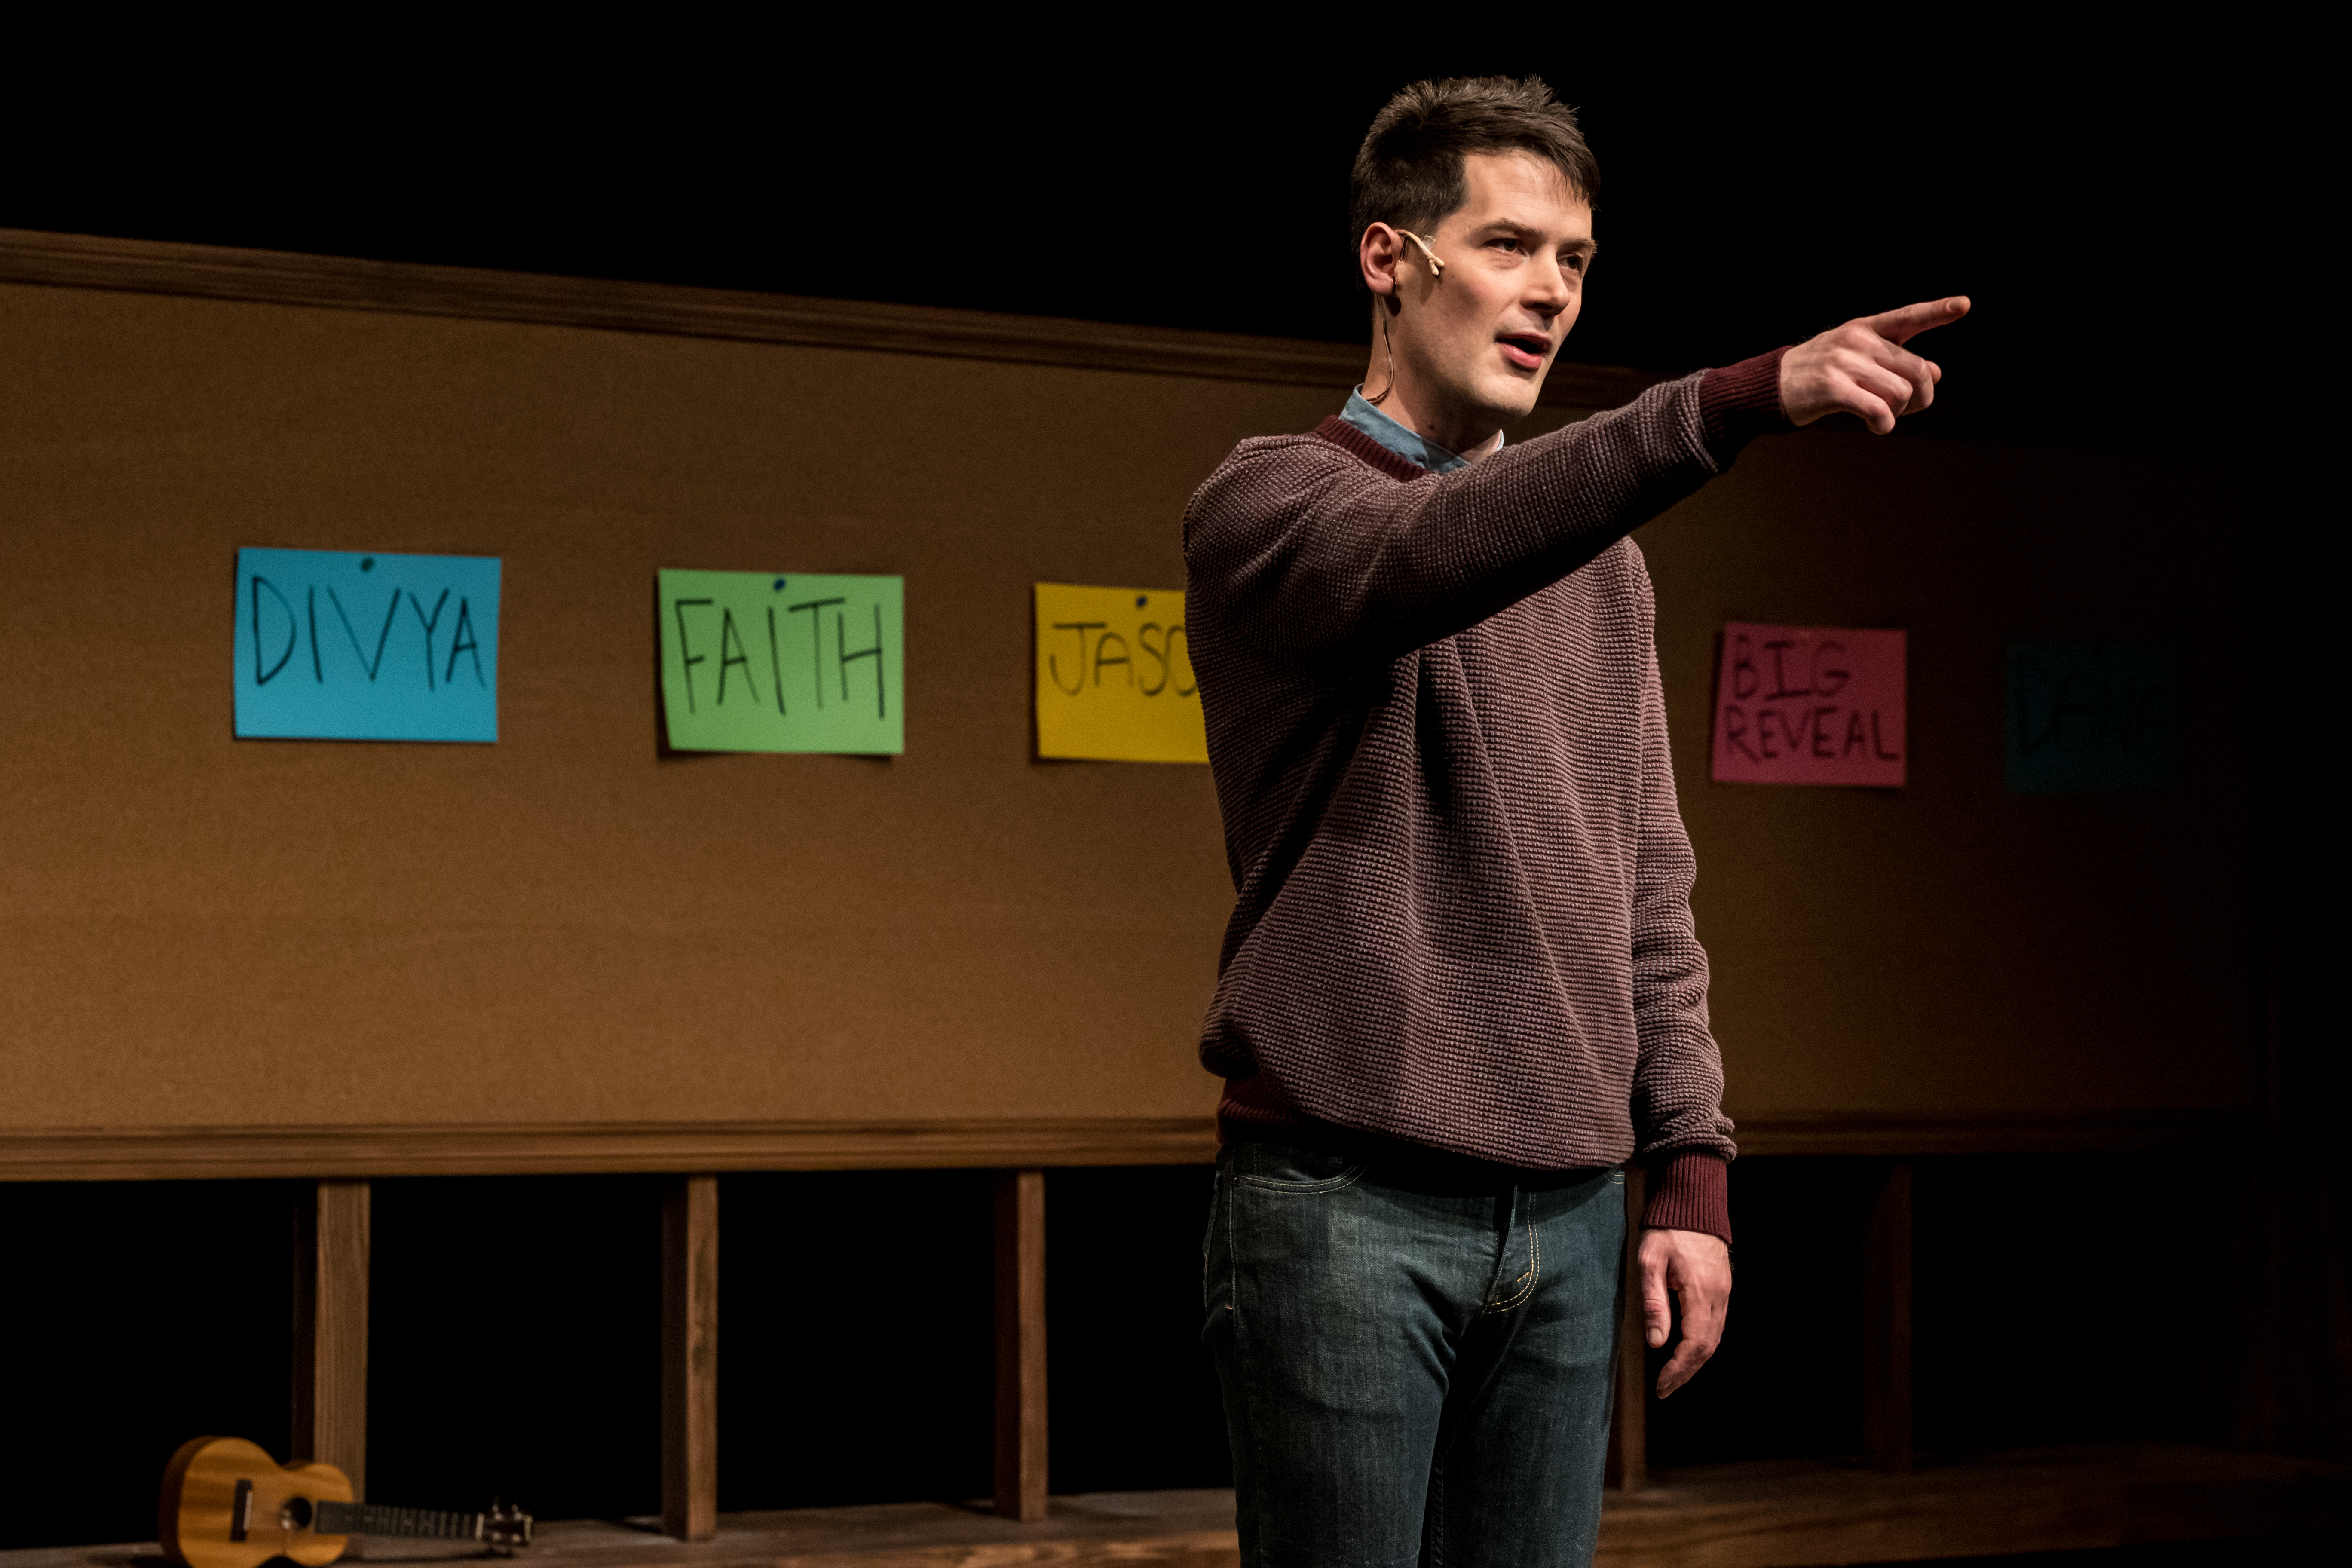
1887,1422
183,1154
691,1358
1020,1437
176,1153
90,261
1732,1516
1796,1514
1629,1414
569,927
330,1327
1130,1530
572,930
2221,1131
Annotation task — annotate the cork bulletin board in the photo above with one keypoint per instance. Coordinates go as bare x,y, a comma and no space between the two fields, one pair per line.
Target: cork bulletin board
576,926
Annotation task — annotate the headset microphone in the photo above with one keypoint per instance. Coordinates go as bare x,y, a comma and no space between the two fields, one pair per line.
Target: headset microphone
1436,267
1437,271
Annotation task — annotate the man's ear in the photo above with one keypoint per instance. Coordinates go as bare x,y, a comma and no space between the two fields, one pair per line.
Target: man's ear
1378,253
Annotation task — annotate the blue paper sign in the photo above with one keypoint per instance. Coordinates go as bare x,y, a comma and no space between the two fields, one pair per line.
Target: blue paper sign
336,646
2092,716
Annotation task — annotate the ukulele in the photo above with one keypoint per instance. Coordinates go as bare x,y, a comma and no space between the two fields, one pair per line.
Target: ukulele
227,1504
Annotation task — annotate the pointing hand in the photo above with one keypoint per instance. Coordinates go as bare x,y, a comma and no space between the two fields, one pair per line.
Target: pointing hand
1862,368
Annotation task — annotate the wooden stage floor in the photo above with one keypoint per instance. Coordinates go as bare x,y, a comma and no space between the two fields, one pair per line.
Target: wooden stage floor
1735,1516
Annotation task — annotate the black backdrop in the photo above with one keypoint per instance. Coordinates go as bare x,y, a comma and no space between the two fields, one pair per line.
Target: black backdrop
2127,208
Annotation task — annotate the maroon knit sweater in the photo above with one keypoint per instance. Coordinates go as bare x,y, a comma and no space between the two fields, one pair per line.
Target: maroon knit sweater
1463,885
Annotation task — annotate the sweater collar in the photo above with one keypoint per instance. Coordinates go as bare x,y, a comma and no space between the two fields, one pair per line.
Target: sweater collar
1416,449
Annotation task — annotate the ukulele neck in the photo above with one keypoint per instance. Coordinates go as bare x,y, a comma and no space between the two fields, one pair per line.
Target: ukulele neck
376,1519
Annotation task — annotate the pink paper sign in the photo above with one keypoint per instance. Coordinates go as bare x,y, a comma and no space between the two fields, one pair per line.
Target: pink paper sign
1808,705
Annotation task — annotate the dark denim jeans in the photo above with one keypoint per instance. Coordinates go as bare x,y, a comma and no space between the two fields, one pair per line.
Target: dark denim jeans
1416,1353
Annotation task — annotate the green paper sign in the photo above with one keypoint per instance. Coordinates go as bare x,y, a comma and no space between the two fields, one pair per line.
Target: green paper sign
757,662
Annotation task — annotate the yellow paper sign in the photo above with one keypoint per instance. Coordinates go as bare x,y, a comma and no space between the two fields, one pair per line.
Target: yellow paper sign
1114,680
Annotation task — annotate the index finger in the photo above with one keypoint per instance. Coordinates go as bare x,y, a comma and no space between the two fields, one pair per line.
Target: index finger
1691,1352
1703,1315
1902,325
1680,1368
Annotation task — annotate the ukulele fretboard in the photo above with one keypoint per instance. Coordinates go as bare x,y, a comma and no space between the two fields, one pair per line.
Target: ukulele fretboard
375,1519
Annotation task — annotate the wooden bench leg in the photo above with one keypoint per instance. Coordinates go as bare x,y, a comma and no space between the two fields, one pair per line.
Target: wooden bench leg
1629,1420
330,1327
1020,1344
1887,1323
691,1358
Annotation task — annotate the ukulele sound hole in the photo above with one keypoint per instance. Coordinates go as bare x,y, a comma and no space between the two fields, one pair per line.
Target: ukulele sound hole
296,1514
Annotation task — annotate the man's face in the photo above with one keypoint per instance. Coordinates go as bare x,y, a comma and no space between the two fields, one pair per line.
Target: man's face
1472,347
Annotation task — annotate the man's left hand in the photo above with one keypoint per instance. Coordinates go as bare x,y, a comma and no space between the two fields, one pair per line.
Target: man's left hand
1697,1268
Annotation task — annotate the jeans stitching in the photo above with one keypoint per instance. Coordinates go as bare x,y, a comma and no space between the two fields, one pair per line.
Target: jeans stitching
1208,1243
1435,1531
1347,1178
1251,1419
1535,1263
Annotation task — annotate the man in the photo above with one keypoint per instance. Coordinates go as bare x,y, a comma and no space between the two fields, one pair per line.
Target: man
1461,986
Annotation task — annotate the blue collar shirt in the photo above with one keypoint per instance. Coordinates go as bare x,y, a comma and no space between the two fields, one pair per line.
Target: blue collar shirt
1405,443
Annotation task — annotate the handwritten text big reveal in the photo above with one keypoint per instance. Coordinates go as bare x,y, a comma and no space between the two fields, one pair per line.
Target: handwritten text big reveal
1114,679
1808,705
760,662
337,646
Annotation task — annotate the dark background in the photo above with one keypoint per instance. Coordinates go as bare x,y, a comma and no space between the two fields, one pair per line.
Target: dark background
514,1332
2132,213
2128,208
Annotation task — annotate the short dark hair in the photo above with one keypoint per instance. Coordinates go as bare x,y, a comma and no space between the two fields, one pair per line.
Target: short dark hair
1409,172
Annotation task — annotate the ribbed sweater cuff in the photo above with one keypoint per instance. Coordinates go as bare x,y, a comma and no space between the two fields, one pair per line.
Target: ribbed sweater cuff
1691,1191
1739,402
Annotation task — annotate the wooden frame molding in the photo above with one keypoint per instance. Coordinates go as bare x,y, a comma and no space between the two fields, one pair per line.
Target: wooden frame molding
1886,1403
179,1153
1021,1432
175,1153
335,282
1900,1134
332,1222
689,1352
1628,1467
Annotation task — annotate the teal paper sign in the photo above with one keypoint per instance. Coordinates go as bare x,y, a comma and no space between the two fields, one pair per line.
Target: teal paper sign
757,662
337,646
2092,716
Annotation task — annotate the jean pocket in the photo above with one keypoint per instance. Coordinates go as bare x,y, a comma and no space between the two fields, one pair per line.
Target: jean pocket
1282,1168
